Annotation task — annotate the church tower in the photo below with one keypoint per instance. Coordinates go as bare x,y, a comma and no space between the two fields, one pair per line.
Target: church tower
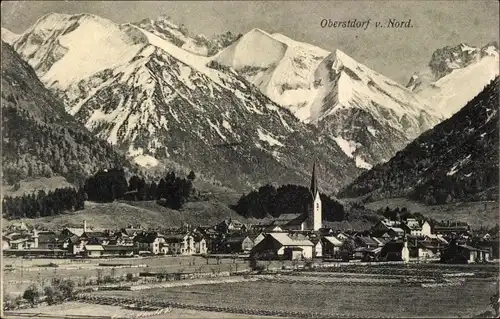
315,218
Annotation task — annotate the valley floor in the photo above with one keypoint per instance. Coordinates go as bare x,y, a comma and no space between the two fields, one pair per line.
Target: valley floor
329,290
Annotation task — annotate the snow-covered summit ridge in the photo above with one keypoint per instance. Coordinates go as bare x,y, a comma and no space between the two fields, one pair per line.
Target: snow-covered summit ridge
280,67
455,75
9,36
179,35
341,82
83,43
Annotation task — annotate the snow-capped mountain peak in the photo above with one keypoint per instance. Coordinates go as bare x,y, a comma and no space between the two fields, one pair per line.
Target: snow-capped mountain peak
280,67
9,36
358,86
60,42
199,44
455,75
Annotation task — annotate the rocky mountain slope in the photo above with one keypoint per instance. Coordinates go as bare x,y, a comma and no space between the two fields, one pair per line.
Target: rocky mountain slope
38,137
455,161
199,44
161,103
455,75
369,115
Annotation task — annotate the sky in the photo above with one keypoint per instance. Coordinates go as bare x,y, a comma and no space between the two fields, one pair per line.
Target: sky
394,52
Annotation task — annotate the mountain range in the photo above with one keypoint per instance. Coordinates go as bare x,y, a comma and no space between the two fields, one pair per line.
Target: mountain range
180,36
370,116
244,110
158,102
456,161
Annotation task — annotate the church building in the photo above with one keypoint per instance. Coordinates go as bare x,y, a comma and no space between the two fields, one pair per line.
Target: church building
314,218
304,221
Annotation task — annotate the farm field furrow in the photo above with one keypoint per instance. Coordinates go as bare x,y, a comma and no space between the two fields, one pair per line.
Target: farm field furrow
337,299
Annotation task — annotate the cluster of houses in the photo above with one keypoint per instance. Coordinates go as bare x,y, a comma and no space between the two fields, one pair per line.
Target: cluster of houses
290,236
80,241
386,241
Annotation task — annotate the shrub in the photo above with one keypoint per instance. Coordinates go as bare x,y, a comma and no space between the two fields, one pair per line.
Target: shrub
308,264
107,279
52,295
31,294
67,287
130,276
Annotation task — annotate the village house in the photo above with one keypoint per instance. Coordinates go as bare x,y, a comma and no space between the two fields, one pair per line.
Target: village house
450,230
331,246
365,242
414,228
291,222
200,244
95,237
257,238
397,250
230,225
267,227
428,250
396,232
180,244
380,241
118,251
20,240
234,244
366,254
342,236
73,231
458,253
282,246
318,247
149,243
50,240
5,242
92,251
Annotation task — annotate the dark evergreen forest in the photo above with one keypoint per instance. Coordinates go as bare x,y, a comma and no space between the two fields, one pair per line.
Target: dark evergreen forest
286,199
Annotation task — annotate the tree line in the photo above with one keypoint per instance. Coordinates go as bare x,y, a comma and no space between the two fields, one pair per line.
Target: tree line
109,185
286,199
42,204
104,186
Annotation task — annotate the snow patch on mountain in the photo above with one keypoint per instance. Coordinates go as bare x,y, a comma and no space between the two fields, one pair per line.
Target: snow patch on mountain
267,137
372,131
458,165
146,161
348,147
361,163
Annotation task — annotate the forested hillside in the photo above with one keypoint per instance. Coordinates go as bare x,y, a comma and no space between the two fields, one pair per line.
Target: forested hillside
455,161
39,138
287,199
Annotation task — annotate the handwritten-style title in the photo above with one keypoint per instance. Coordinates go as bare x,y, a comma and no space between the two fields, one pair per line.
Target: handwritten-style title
365,24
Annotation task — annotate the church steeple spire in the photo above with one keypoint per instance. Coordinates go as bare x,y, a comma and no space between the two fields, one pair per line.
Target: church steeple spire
315,216
314,182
